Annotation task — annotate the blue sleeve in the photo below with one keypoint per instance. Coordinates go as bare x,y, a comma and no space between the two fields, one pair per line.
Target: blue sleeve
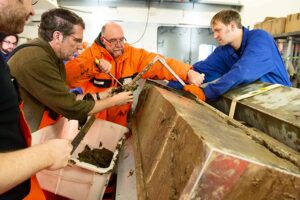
175,84
213,66
76,91
256,61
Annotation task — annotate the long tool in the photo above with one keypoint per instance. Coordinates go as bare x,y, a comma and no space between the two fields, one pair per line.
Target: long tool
138,77
195,90
164,63
111,75
80,135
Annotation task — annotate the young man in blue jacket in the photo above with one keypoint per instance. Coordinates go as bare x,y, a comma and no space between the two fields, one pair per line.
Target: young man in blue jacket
243,57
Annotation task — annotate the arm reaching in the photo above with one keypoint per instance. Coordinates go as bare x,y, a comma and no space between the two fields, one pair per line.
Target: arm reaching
116,100
195,78
20,165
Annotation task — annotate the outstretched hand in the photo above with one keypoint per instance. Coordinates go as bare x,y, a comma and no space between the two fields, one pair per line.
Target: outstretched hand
59,152
195,78
123,98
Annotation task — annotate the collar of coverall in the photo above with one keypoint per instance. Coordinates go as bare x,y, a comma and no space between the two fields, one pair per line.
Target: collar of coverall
98,41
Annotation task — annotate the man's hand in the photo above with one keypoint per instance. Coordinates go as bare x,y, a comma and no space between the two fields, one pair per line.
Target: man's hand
195,90
195,78
106,93
122,98
59,152
103,65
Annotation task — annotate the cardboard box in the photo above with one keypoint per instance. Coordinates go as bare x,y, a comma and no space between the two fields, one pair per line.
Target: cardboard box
258,25
292,23
278,25
269,18
267,25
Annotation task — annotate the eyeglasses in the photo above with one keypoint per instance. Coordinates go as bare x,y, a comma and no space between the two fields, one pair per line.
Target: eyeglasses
115,41
78,40
10,43
35,2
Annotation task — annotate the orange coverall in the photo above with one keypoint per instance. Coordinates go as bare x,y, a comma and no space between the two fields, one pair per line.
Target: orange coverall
82,72
35,189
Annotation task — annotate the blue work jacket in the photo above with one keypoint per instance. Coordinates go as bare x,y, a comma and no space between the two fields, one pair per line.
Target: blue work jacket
5,56
257,59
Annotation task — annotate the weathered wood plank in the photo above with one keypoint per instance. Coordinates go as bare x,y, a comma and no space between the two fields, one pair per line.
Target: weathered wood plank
275,112
187,150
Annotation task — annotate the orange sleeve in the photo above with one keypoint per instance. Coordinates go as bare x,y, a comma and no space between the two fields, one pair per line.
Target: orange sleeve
36,191
81,69
158,71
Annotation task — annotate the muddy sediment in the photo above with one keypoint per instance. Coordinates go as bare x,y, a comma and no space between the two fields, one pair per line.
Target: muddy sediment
124,88
98,157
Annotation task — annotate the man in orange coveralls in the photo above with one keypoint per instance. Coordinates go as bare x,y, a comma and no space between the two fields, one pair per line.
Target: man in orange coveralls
126,62
18,161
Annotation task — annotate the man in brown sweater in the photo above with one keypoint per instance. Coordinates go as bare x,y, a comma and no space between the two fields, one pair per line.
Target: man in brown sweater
40,71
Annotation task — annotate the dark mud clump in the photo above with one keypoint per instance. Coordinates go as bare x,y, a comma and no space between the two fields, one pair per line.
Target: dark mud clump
98,157
124,88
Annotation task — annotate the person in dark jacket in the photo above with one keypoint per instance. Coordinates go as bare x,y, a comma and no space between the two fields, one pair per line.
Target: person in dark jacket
18,162
38,67
243,57
8,43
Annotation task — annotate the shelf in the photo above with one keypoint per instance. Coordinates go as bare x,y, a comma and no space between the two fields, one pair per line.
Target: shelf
291,54
285,35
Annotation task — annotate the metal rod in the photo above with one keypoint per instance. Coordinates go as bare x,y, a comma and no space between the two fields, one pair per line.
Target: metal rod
111,75
83,131
164,63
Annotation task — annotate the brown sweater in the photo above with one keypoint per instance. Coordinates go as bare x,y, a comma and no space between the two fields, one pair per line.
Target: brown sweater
42,82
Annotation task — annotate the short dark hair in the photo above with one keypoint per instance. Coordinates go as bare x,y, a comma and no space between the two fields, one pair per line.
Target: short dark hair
58,19
4,35
227,16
